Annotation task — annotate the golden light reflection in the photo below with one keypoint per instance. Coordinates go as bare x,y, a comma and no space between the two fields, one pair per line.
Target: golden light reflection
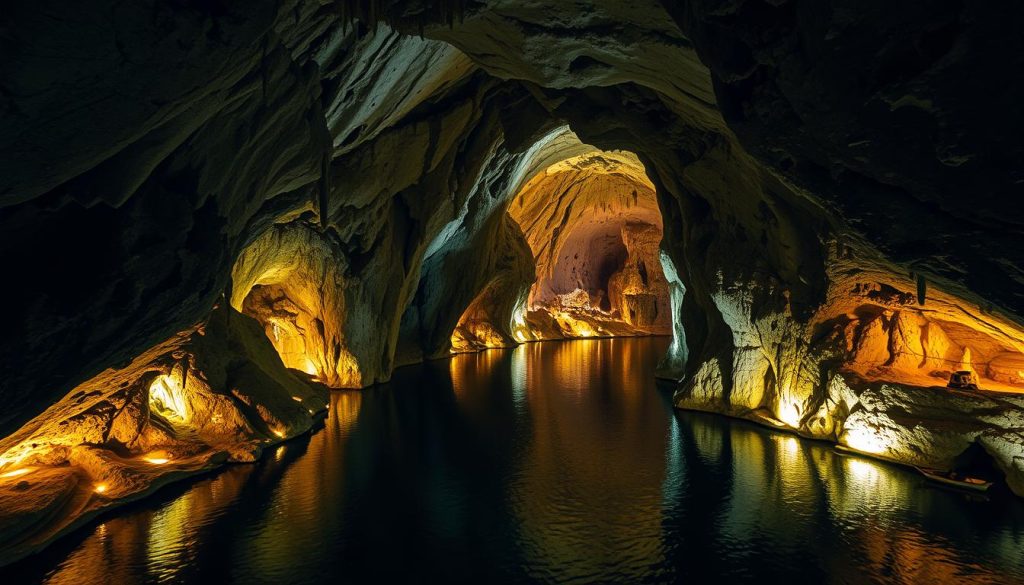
99,488
583,466
862,471
467,372
347,408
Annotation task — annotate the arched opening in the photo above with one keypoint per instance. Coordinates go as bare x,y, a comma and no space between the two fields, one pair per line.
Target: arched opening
167,399
481,325
594,228
291,281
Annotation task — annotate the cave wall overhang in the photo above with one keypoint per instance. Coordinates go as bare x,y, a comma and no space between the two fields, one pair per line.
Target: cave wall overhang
400,153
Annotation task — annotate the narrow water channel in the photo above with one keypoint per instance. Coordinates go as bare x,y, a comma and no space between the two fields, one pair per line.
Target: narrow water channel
553,462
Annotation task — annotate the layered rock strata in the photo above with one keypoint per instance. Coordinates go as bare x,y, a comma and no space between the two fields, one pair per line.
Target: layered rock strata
342,172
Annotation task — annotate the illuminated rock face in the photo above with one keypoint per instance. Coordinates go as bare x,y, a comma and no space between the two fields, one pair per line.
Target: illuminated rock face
215,393
594,228
353,187
490,320
292,280
869,370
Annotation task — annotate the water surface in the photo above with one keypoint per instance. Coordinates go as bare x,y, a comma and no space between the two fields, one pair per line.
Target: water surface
553,462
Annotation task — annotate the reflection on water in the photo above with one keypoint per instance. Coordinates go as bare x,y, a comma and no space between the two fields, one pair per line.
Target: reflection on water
553,462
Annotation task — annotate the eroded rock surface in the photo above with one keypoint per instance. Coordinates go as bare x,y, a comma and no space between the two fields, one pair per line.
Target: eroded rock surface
835,185
594,228
215,393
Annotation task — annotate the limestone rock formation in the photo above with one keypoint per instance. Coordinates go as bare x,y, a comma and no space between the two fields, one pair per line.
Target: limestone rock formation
215,393
347,175
593,225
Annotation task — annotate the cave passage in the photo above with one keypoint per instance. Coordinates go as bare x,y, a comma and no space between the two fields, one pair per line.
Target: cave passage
594,228
214,214
291,281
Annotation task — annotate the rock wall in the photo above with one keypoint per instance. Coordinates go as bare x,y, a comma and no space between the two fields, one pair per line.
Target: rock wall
868,369
215,393
347,168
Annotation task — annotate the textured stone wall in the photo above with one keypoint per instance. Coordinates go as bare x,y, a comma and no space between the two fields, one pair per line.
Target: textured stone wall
593,225
805,159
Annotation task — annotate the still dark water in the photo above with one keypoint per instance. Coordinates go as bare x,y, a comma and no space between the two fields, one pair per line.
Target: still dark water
553,462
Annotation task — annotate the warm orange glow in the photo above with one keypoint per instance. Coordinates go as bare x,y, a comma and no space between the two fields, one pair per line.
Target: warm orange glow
309,366
9,459
157,458
297,398
16,472
291,281
889,337
593,224
279,434
482,324
100,488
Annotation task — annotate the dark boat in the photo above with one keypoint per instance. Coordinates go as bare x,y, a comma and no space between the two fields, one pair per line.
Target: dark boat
951,479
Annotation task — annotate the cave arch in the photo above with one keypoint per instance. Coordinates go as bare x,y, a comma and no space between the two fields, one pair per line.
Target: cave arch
594,228
291,280
348,187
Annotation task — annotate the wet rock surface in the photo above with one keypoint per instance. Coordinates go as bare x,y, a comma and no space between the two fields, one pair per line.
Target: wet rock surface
835,185
215,393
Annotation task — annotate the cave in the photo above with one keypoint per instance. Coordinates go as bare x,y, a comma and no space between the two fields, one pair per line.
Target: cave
507,280
592,223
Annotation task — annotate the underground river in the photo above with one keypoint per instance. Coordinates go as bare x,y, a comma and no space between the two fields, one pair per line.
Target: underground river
552,462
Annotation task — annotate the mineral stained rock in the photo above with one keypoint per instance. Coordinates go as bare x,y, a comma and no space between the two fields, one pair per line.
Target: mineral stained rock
345,185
